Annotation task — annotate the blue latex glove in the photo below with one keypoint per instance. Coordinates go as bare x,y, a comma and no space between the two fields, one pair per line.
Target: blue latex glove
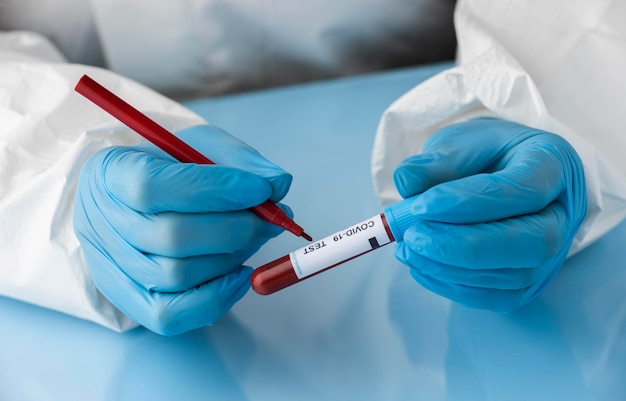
499,207
165,241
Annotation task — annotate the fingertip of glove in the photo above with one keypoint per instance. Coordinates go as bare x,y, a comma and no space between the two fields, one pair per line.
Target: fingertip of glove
280,186
246,272
237,283
405,181
257,189
411,176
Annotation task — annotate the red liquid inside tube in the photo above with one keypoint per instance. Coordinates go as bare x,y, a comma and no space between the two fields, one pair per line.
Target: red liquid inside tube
273,276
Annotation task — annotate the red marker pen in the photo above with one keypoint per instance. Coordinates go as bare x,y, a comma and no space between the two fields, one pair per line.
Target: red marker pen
170,143
335,249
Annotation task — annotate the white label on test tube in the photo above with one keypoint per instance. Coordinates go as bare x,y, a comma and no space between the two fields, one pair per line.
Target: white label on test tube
339,247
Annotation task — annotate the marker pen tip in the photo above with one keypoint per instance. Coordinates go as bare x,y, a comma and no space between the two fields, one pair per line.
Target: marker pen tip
306,236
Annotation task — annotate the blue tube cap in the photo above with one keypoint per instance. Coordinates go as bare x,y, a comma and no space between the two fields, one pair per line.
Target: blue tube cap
399,217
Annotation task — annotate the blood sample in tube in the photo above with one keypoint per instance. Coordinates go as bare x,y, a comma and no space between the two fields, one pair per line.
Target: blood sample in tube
338,248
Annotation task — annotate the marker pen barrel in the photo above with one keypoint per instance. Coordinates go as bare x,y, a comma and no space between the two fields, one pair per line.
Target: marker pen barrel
344,245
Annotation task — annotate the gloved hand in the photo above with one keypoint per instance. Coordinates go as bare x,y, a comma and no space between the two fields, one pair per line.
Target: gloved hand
165,241
499,207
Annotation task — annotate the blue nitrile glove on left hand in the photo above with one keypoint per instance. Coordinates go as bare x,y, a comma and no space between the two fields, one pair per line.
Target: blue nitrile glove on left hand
500,205
165,241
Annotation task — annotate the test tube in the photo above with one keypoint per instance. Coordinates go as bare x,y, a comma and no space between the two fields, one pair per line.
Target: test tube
347,244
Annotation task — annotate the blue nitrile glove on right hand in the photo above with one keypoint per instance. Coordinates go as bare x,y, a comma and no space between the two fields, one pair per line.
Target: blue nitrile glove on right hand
165,241
500,205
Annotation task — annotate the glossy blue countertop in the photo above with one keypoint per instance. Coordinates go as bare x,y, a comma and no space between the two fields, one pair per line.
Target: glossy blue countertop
362,331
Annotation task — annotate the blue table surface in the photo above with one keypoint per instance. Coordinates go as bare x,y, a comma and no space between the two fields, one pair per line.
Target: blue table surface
362,331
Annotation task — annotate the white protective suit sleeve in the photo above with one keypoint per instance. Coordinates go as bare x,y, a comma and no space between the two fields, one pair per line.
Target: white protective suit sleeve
557,66
47,131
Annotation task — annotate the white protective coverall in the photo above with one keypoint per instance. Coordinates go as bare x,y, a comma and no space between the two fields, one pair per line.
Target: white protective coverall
183,49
